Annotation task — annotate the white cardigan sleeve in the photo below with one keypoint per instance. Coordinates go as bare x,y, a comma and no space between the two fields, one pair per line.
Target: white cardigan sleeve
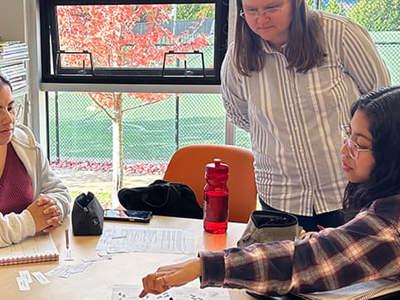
50,185
44,180
16,227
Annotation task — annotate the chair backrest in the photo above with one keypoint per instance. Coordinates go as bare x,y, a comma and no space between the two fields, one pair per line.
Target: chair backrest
187,166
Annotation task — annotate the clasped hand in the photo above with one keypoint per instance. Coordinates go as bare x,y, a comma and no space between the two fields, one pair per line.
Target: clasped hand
45,213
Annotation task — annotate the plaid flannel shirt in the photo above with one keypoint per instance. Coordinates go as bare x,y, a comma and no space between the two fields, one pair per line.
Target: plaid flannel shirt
366,248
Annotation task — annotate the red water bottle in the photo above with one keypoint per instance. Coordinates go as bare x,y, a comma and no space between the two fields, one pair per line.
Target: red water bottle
216,197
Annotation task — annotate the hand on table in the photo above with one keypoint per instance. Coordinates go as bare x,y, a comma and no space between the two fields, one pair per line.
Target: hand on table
171,276
45,213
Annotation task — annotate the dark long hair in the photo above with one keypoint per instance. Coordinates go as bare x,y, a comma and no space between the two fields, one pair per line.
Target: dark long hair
382,108
4,81
304,49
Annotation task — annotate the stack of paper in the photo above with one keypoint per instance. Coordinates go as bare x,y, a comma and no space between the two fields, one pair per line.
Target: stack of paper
13,55
13,50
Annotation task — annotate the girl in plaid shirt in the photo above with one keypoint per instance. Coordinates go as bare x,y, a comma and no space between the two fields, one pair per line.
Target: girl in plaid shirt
366,248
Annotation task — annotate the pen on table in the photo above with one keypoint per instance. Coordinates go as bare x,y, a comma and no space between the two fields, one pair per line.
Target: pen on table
67,246
67,239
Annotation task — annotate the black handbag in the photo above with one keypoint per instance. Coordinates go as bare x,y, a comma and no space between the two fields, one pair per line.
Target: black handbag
268,225
162,198
87,215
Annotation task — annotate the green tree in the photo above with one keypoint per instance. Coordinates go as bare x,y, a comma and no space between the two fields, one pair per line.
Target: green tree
377,15
310,3
194,11
334,7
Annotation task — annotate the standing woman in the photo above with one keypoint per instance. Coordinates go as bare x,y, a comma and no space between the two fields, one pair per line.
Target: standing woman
32,198
289,79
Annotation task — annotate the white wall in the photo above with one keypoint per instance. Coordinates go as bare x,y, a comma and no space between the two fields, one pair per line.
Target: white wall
18,21
12,20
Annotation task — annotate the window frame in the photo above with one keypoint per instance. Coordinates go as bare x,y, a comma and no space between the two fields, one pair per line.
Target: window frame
49,37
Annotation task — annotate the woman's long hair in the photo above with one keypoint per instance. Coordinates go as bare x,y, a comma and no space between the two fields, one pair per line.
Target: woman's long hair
382,108
304,49
4,81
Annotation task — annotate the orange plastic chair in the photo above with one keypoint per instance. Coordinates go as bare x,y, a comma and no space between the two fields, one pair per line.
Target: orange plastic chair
187,166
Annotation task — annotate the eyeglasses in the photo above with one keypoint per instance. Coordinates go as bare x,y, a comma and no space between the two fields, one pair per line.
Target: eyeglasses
252,13
353,147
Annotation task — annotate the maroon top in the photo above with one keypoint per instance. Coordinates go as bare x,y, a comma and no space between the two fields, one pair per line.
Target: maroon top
16,191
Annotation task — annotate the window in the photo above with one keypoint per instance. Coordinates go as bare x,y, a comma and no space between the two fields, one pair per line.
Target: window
142,42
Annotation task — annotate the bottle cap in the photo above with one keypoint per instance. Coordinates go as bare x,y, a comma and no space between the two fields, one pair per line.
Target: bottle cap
217,168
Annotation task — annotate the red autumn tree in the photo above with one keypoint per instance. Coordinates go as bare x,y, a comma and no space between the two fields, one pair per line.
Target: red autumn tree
108,32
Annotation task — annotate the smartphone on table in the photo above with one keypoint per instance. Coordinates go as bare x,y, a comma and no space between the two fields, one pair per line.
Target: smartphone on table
128,215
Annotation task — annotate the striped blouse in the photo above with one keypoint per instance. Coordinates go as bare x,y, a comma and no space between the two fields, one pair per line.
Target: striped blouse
294,118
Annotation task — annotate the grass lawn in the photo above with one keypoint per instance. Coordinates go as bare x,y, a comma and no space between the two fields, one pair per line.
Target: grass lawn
149,132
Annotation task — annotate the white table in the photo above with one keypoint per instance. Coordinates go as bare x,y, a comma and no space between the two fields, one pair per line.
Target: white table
125,268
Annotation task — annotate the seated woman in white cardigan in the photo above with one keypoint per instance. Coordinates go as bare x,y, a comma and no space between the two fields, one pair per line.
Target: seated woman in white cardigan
32,198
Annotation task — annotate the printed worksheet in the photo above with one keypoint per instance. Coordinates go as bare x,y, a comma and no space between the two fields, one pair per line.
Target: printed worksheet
129,292
156,240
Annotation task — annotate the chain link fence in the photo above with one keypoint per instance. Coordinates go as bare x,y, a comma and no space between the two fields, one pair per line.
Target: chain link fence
388,44
151,133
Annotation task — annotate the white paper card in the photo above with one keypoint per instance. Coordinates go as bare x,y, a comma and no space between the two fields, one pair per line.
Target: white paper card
26,275
64,271
60,271
128,292
96,258
39,276
155,240
23,284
